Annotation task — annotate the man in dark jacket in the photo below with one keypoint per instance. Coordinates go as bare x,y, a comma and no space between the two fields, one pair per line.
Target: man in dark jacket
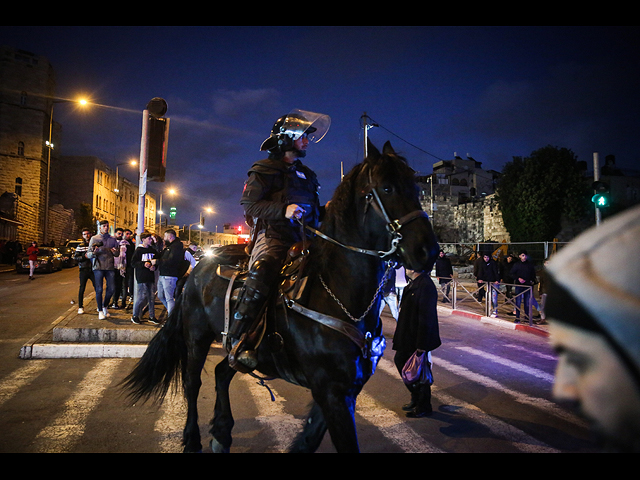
417,330
85,270
279,194
169,264
489,277
444,273
524,276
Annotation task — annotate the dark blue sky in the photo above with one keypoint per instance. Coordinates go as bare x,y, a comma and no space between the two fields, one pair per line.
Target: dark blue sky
491,92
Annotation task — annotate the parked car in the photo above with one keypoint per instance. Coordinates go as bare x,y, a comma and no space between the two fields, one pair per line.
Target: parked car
49,260
67,256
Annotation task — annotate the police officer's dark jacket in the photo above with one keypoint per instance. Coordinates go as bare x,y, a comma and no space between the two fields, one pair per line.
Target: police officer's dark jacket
274,184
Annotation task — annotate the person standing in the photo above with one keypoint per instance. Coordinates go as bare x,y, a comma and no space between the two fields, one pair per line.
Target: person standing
524,276
103,248
444,274
32,252
144,279
280,193
417,331
85,270
119,265
127,286
489,276
169,263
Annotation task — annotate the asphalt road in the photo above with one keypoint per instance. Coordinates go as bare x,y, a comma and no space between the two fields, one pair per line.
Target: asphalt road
492,393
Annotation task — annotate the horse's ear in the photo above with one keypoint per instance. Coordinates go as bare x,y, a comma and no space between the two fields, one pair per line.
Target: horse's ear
388,149
372,151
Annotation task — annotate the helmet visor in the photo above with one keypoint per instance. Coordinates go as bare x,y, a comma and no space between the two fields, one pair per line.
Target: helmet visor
299,122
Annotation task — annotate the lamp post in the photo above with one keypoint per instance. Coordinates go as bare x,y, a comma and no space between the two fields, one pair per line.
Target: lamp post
172,192
49,144
116,191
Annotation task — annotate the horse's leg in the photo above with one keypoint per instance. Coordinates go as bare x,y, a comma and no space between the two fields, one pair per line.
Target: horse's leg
338,408
222,421
312,434
192,382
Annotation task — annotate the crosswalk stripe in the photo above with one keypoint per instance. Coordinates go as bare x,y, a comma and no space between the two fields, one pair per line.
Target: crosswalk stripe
169,426
21,378
65,431
392,426
509,363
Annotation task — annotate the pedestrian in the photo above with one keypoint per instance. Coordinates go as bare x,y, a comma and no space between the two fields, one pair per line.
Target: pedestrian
120,268
479,294
169,263
489,277
389,295
32,252
524,277
144,271
444,274
542,291
417,330
593,299
103,248
280,194
127,286
85,270
505,275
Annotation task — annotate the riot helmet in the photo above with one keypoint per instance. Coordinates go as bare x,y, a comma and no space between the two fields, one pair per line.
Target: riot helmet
289,128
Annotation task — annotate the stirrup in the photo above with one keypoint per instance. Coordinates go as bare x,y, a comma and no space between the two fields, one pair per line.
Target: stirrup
242,360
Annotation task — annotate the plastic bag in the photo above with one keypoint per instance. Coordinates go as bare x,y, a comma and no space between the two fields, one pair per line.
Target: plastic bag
417,370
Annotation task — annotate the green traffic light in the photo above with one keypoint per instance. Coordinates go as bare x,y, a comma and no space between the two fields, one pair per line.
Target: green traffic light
600,200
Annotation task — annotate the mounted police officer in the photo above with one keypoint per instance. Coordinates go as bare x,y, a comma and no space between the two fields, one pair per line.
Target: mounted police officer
279,194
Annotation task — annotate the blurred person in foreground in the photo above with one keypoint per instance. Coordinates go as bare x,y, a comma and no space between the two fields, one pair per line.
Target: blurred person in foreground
593,308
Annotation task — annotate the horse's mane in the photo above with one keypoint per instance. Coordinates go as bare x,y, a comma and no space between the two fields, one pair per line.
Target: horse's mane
341,213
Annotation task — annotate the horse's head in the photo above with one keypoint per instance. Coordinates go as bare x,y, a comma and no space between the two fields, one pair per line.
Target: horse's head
378,203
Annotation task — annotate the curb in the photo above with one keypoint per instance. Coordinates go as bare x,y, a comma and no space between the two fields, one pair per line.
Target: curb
497,322
83,336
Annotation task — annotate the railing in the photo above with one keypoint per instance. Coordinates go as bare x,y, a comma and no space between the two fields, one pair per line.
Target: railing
463,296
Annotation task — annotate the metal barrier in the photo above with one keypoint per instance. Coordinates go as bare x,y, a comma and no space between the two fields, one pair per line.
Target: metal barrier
459,296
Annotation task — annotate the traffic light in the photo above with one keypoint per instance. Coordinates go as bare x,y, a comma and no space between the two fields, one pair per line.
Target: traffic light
201,220
157,140
602,197
172,213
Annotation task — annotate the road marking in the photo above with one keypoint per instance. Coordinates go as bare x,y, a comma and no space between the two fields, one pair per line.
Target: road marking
171,423
544,356
21,378
537,402
392,426
64,432
517,437
509,363
285,427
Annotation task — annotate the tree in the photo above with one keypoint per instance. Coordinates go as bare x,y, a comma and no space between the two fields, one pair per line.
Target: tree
536,192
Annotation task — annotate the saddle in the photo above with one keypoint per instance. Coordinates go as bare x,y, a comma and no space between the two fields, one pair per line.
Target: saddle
293,280
233,266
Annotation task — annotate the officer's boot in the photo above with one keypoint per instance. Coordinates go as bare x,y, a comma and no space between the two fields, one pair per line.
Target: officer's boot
255,293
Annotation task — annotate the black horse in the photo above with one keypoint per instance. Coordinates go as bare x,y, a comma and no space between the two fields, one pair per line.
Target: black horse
329,337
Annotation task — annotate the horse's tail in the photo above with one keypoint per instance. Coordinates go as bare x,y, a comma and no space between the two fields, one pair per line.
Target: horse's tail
160,367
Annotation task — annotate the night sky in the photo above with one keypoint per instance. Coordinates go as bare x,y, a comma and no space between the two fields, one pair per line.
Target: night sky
490,92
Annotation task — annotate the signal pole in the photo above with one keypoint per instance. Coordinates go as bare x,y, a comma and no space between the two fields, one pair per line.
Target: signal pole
596,177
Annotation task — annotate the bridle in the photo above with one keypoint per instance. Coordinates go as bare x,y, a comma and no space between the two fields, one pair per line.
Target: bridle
393,226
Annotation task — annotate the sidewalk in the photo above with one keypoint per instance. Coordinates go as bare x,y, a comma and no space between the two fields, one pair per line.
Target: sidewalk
84,336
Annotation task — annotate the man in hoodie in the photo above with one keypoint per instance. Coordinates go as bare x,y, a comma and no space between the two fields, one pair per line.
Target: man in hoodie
145,278
85,271
169,264
103,248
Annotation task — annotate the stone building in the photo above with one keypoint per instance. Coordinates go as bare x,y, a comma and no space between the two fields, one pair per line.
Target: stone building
459,198
27,86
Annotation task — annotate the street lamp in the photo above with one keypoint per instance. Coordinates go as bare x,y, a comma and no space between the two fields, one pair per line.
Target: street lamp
171,191
49,145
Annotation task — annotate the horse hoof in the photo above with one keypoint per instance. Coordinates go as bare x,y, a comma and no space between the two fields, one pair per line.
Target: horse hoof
217,447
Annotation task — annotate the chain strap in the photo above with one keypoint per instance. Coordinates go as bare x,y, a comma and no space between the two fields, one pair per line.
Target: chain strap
385,277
